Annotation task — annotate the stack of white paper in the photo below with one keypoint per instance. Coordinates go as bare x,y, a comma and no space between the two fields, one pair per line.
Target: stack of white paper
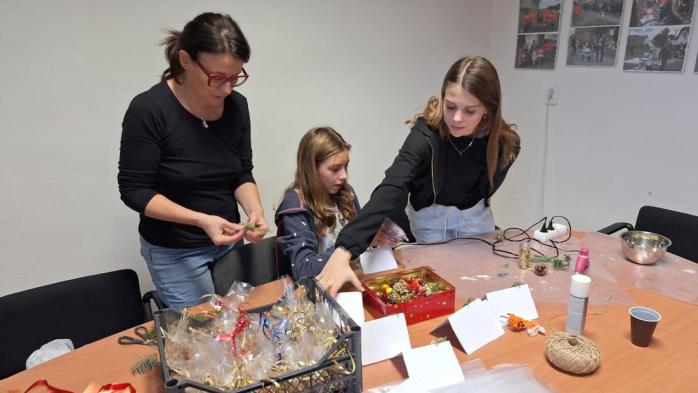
481,321
378,260
516,300
384,338
433,366
475,325
353,304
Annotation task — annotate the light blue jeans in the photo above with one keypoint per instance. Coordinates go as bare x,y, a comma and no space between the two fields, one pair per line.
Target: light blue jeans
182,275
437,223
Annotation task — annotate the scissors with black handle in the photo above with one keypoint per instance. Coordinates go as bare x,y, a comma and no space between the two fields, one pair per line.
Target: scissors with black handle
142,333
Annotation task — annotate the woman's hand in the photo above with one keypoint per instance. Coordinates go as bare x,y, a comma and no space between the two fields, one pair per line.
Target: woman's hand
337,271
248,197
220,230
256,219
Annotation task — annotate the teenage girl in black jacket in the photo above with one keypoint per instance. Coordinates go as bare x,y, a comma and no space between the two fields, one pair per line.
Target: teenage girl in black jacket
455,157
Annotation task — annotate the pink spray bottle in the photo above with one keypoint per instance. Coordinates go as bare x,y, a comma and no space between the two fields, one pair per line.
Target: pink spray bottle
582,260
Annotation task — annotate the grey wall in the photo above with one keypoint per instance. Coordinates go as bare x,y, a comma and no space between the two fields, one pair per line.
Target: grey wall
617,140
69,69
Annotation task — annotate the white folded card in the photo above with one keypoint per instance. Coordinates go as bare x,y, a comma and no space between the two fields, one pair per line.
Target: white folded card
378,260
353,304
516,300
384,338
433,366
475,325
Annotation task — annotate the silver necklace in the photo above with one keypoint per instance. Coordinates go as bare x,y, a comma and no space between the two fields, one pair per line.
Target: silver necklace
204,123
460,152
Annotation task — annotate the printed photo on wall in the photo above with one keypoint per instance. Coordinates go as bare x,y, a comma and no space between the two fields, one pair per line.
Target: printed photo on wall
661,12
593,46
539,16
596,12
536,51
658,48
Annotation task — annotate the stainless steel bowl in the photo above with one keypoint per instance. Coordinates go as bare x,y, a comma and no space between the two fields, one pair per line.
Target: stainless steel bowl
644,248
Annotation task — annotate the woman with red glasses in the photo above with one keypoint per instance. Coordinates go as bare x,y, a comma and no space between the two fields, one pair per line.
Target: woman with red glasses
186,159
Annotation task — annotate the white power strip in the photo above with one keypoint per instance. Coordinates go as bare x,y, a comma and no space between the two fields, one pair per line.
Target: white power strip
558,231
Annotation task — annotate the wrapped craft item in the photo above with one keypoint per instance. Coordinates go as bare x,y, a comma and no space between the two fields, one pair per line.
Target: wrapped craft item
230,348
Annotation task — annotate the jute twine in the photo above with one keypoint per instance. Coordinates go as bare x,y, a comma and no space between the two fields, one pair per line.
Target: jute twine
574,354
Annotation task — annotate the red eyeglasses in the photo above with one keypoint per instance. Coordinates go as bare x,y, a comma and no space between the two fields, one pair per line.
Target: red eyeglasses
217,79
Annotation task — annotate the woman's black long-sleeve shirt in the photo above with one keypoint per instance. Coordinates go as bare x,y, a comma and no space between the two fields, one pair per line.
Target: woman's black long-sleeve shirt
167,150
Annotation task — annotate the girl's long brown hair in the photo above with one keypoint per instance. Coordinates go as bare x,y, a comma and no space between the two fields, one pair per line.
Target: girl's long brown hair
317,145
477,76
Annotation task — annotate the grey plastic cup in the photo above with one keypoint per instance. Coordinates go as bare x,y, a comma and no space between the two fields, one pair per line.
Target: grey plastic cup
643,320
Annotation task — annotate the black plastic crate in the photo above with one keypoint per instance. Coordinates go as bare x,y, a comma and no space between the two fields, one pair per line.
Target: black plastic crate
325,376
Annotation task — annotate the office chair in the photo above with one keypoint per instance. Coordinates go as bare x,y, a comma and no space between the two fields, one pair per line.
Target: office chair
83,310
253,263
681,228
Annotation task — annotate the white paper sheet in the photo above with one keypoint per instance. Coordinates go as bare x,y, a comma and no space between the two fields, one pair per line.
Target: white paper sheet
475,325
516,300
433,366
352,303
378,260
384,338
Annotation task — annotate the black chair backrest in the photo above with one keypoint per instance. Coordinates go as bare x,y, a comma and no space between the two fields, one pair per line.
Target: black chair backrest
251,263
681,228
83,310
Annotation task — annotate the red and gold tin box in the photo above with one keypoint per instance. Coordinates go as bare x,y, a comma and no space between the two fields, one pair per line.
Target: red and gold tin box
421,308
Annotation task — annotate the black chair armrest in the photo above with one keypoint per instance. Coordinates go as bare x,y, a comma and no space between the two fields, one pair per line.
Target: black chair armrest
616,227
147,305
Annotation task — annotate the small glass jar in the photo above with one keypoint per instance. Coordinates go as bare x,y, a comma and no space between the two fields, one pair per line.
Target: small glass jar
524,254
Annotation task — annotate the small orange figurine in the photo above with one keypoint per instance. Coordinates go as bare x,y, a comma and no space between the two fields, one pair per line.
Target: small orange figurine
518,324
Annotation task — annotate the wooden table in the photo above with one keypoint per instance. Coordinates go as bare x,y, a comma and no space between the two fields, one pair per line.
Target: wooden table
669,364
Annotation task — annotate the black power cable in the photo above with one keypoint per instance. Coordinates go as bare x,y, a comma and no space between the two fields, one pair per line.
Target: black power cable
521,235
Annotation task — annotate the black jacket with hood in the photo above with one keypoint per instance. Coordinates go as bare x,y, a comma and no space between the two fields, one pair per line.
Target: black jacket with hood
417,173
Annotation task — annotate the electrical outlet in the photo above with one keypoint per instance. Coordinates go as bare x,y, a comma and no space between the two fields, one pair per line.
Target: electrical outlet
551,96
559,231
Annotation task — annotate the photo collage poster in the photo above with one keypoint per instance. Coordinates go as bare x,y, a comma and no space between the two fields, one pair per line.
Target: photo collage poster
594,33
538,33
658,35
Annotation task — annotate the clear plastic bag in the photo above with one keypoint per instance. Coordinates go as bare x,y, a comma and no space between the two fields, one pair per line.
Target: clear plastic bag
50,350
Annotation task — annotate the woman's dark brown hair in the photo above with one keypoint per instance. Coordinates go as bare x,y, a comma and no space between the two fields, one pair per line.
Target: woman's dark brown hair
208,33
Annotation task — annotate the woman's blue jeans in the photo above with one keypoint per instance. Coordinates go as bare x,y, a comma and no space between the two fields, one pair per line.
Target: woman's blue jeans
182,275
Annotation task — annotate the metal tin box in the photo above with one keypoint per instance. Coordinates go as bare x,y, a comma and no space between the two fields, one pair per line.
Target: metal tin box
415,310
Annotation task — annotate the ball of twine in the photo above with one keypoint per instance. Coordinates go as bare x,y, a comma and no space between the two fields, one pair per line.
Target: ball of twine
574,354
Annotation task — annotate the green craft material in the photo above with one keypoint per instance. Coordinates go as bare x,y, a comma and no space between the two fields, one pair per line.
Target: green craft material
145,365
556,262
252,228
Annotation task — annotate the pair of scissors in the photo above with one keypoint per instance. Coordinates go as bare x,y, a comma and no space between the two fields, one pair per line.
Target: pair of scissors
142,333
